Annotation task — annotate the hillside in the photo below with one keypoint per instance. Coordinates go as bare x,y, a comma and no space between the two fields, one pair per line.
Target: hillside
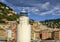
7,14
53,23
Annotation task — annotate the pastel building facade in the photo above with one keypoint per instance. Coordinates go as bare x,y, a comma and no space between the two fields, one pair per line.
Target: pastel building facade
42,32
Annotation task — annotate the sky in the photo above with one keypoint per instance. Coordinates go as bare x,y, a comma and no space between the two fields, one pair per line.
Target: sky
38,10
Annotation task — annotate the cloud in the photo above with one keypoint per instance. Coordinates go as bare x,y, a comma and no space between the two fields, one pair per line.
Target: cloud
23,3
45,5
41,7
54,11
34,9
2,0
46,8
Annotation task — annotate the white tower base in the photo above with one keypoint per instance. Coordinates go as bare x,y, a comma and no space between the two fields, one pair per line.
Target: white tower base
24,30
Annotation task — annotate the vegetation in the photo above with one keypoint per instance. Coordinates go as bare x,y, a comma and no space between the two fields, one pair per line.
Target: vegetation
7,13
53,23
31,21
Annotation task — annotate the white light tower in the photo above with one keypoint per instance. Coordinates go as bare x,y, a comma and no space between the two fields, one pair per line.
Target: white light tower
24,28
